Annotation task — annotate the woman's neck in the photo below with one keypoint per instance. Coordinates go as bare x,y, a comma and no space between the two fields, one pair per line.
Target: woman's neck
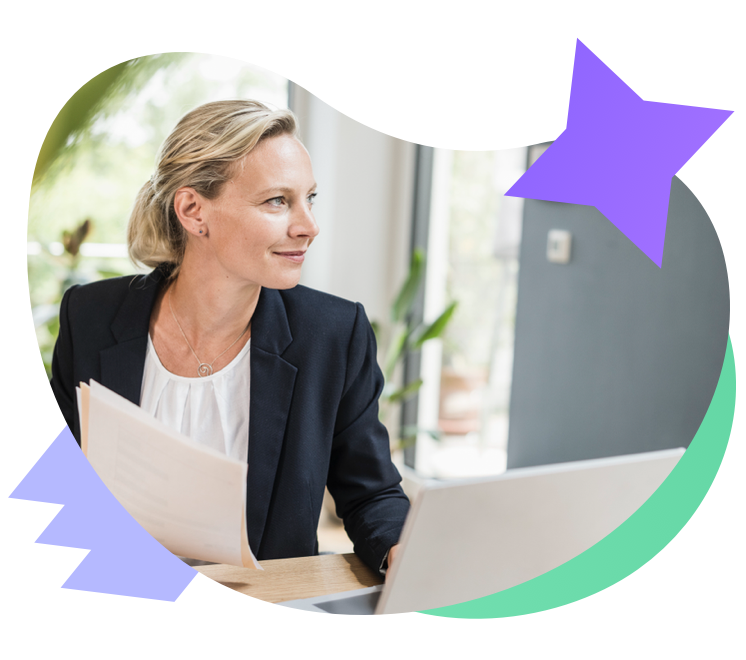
210,305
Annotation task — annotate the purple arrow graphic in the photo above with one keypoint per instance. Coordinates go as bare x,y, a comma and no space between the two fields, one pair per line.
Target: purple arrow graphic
123,559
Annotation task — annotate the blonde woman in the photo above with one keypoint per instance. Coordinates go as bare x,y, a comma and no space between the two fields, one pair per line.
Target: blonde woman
220,343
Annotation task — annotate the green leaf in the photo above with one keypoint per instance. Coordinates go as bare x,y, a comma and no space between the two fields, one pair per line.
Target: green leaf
376,330
105,273
406,391
436,328
405,298
396,348
388,390
413,430
406,441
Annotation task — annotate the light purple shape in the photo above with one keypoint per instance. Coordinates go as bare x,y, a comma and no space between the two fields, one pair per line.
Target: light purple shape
619,153
123,559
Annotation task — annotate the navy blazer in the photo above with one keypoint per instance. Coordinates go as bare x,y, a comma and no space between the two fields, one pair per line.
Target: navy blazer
313,418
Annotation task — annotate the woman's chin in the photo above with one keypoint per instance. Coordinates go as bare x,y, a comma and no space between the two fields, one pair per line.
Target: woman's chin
287,281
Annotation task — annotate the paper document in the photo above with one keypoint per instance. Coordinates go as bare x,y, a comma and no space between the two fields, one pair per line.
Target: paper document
189,497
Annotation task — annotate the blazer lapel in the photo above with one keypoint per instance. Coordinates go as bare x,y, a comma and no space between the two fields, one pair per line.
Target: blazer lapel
122,365
122,368
272,383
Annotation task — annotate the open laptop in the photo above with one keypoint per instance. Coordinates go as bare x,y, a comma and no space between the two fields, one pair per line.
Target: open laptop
468,539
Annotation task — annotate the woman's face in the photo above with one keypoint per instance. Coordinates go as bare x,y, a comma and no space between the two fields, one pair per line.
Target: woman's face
260,226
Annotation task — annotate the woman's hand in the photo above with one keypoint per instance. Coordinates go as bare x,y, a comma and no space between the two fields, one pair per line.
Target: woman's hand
391,559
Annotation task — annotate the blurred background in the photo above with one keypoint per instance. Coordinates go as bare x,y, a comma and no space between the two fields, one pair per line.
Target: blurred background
597,352
99,152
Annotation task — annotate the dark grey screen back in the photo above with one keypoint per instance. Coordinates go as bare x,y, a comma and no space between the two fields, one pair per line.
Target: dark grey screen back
612,354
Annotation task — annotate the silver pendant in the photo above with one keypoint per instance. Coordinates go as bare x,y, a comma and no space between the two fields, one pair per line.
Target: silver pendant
204,369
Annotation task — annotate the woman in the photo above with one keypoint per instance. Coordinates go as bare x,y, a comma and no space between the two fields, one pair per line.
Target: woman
220,343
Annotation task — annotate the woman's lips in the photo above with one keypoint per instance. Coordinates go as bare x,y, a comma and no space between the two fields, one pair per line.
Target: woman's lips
295,257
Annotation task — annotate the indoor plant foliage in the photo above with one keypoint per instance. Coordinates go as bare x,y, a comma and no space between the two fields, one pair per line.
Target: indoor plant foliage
54,270
405,335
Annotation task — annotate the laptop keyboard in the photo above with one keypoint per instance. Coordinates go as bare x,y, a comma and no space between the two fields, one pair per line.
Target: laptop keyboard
361,604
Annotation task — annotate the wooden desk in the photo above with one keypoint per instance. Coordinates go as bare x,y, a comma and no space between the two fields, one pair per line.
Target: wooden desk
302,577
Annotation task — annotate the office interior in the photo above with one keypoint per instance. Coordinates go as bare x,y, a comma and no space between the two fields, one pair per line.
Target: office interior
566,343
549,357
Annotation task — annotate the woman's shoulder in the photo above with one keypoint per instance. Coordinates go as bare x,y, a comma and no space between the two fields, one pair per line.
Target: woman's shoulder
312,309
104,298
106,292
304,299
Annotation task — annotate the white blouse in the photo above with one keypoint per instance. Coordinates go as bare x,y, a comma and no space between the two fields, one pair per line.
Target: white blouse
213,410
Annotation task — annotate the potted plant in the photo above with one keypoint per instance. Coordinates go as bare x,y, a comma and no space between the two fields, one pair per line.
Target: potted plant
406,335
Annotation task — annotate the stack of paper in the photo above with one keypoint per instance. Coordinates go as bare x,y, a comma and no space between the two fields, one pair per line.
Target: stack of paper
189,497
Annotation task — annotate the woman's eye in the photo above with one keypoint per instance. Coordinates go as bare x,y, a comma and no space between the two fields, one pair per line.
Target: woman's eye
280,201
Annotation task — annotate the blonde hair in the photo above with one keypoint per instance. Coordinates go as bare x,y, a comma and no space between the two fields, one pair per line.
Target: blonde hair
201,153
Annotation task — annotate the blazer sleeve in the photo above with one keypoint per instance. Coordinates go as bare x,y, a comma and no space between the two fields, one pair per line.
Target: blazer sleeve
362,479
62,368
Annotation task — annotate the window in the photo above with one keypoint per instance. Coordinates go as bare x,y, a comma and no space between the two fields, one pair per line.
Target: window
472,246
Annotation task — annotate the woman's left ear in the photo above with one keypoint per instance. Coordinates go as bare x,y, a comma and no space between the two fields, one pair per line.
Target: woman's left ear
189,207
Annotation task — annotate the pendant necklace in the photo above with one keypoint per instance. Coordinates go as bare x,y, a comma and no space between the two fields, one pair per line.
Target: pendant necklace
204,368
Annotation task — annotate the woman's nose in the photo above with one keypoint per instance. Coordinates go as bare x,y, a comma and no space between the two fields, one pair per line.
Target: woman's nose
303,222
